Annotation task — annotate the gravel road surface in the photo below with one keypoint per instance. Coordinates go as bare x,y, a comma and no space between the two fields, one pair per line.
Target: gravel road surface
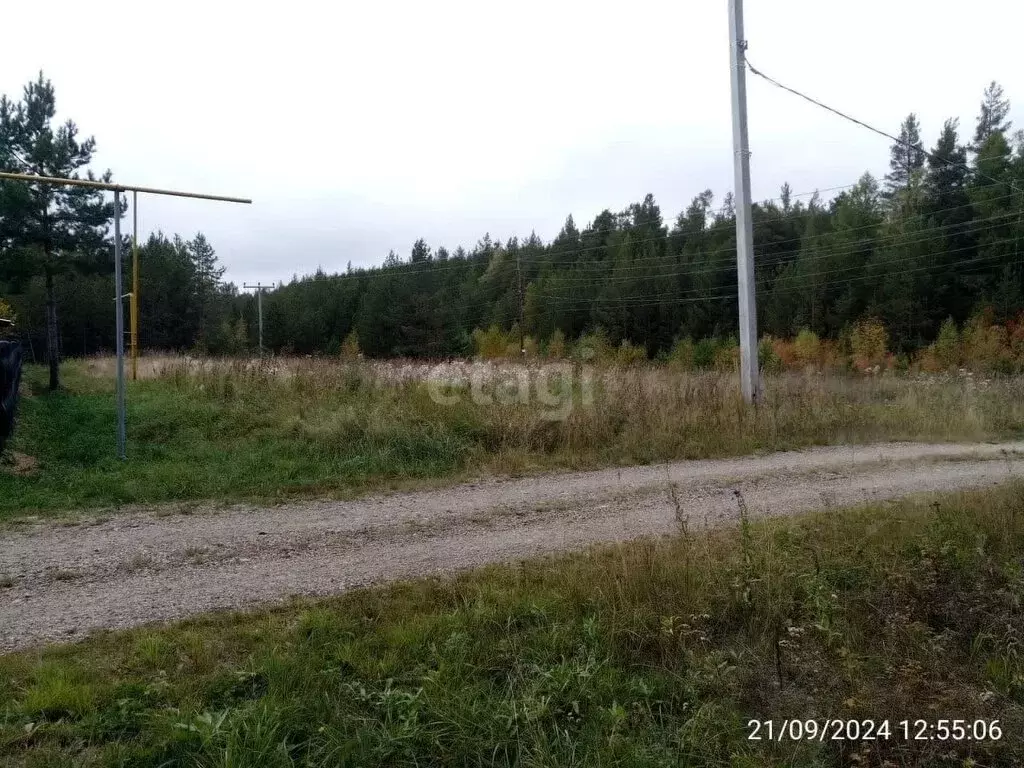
59,580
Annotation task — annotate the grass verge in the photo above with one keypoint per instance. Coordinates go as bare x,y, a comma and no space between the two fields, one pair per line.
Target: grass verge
652,653
238,432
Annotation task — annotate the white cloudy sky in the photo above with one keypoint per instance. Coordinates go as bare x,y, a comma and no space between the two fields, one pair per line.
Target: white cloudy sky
357,127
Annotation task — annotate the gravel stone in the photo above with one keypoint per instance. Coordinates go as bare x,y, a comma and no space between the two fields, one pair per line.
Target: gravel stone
159,564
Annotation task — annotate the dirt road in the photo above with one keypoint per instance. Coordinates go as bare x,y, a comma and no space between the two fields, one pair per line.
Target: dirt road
60,581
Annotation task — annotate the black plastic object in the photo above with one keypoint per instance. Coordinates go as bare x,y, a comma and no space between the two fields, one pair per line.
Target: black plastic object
10,379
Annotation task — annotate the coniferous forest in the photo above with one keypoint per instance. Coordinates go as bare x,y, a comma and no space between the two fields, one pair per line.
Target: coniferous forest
940,236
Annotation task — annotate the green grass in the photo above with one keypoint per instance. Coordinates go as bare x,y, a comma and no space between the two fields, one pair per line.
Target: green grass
234,433
189,444
647,654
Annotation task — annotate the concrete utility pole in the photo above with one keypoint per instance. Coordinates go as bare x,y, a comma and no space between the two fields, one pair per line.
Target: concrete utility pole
749,379
259,308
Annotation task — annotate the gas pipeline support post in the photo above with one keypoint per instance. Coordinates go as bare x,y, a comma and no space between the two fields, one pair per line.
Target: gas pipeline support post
118,190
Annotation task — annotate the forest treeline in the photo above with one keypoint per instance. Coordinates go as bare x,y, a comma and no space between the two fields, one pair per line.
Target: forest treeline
940,236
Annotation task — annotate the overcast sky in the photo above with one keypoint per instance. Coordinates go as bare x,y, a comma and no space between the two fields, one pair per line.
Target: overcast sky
358,127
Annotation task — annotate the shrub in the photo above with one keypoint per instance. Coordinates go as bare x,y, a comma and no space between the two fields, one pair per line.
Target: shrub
530,347
869,343
946,347
594,347
768,359
512,346
681,355
927,362
1015,330
556,344
628,354
985,344
350,347
6,313
704,353
727,356
492,343
807,347
784,351
831,356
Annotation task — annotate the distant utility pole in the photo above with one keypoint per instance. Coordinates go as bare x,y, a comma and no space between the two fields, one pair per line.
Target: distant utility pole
519,276
749,378
259,307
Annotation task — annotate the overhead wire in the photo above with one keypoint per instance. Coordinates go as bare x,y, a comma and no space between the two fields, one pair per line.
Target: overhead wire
709,266
690,296
873,129
867,266
715,265
673,298
661,236
405,268
434,265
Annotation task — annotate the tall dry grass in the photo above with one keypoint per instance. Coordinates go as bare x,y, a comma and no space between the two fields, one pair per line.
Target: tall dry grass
617,414
283,428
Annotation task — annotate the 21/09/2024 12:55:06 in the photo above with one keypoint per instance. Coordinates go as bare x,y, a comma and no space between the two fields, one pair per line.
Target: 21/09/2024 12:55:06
868,730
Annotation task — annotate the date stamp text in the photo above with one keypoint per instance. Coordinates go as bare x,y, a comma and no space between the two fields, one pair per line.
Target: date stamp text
873,730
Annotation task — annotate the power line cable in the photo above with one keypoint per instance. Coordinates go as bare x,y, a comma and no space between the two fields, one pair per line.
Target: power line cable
588,229
827,272
714,265
873,129
404,269
670,300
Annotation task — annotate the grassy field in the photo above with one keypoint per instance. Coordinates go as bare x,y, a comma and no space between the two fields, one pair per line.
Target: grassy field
652,653
237,431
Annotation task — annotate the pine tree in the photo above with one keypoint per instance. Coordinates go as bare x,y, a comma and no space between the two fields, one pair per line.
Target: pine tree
786,197
56,229
992,118
420,252
728,209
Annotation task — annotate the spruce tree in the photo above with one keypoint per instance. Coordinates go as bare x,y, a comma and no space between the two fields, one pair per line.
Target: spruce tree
949,212
906,157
